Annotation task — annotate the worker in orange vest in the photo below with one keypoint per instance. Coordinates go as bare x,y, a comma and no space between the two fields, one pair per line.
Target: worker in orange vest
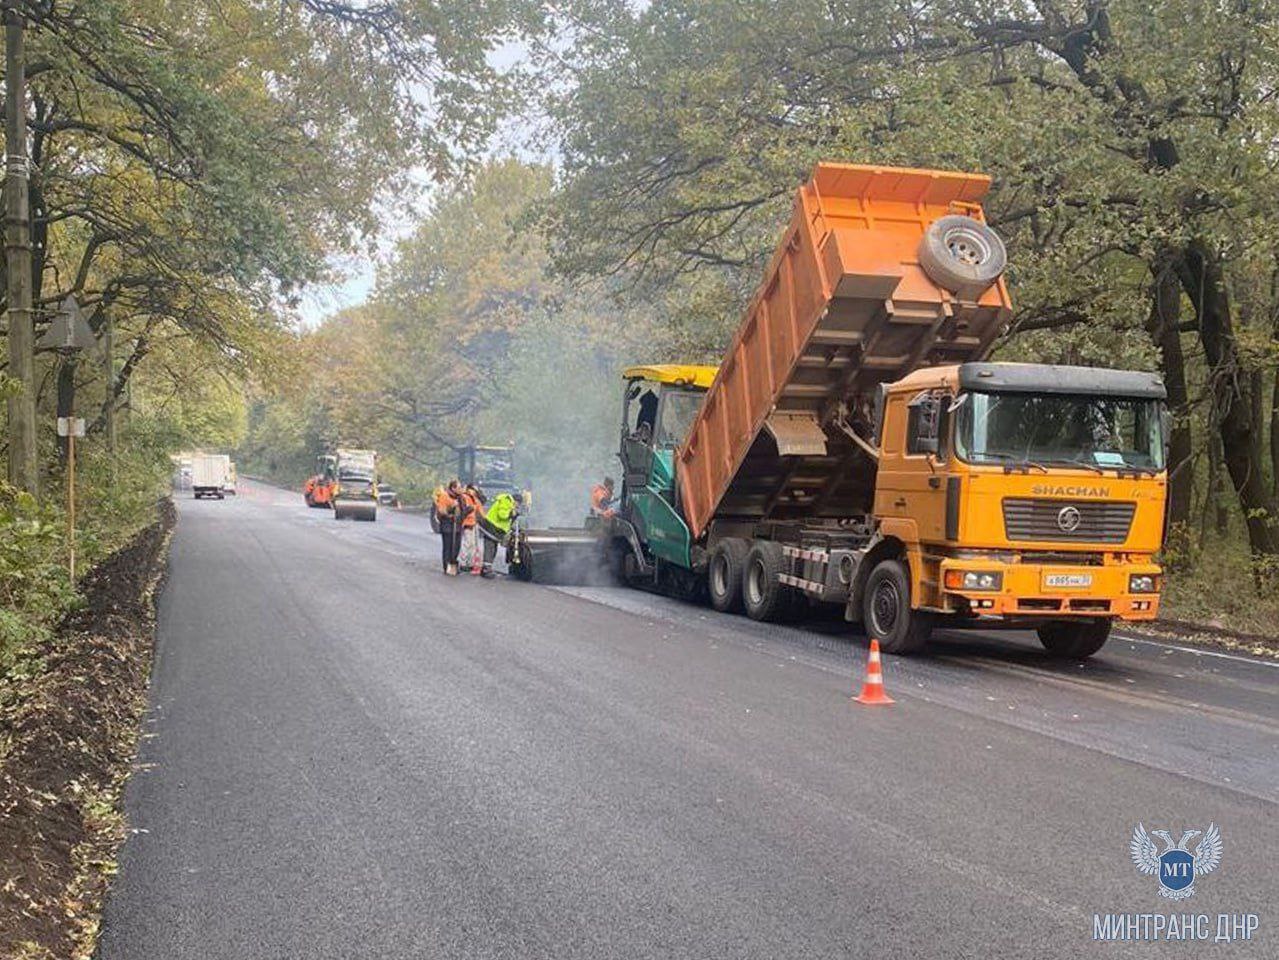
602,499
451,509
472,556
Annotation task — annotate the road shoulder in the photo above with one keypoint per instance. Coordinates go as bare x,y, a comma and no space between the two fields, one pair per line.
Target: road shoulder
70,715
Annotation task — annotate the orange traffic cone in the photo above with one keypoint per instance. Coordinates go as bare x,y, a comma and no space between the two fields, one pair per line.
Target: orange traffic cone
873,688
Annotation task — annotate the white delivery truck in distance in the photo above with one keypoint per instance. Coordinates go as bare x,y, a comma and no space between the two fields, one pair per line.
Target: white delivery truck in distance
209,474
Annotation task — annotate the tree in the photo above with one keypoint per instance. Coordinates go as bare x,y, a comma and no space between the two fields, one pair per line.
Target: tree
1131,145
194,165
467,339
447,306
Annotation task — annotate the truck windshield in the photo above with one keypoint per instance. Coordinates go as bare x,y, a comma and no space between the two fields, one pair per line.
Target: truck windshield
679,410
1058,429
493,466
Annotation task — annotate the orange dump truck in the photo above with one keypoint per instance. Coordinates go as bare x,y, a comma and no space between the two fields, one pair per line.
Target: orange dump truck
852,447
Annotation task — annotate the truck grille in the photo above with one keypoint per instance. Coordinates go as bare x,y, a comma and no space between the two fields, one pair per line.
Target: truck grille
1068,521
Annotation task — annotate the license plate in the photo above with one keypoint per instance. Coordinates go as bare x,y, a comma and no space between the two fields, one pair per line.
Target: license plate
1068,580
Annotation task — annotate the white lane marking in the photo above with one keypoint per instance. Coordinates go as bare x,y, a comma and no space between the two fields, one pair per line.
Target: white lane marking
1199,652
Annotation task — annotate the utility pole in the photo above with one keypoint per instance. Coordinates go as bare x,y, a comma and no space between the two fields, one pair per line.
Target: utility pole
23,471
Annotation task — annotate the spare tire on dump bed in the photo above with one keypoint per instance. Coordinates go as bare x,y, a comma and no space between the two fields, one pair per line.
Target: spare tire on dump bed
963,255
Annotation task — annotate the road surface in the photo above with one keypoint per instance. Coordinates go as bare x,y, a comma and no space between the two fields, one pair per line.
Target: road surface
349,755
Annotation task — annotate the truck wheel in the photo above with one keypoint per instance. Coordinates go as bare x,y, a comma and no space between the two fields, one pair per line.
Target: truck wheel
724,574
763,594
962,254
886,612
1074,639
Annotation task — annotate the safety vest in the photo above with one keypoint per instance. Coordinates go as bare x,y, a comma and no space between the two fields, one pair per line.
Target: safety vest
600,498
473,502
445,505
502,512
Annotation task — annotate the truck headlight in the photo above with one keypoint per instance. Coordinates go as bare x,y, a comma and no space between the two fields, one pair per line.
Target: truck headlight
974,580
1143,583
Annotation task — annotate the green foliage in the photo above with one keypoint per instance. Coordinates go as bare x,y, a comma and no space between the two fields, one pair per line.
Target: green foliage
115,497
1128,141
34,587
468,339
194,165
1223,585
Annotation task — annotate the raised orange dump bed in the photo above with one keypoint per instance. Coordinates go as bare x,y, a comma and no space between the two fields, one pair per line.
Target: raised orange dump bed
844,306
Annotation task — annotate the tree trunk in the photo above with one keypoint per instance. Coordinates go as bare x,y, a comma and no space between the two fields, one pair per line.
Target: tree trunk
110,404
1257,394
1274,416
1201,278
1163,323
1274,432
1217,487
24,471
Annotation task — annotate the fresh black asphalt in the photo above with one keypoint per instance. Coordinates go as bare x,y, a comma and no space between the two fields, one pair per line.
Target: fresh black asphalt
349,755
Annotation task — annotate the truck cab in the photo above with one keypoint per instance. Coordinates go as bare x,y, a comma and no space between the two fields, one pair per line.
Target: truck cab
660,402
1026,492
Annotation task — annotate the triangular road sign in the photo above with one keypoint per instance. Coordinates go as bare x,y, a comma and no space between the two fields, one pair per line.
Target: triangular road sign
69,330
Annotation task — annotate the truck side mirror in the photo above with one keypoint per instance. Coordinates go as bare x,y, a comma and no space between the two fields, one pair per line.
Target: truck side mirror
926,424
1165,430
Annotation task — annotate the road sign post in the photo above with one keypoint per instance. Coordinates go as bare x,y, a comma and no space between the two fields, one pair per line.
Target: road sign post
71,427
68,333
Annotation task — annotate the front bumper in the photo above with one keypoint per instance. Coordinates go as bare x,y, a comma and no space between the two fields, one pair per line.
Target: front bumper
1035,591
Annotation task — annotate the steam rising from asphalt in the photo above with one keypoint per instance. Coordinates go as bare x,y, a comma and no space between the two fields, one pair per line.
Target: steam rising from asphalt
560,402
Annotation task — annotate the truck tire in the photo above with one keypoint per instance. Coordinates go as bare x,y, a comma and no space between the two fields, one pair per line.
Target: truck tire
724,574
763,593
1074,639
962,254
886,611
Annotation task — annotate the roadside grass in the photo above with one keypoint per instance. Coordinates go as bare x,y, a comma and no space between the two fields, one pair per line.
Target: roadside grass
116,497
1217,584
70,707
